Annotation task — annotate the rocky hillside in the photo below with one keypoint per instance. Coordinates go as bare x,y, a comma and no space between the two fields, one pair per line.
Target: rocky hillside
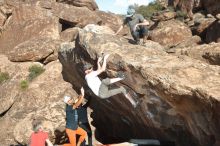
176,73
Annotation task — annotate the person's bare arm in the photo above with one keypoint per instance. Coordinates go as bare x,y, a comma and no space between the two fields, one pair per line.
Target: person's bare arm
98,63
103,67
80,99
49,143
144,23
29,142
120,28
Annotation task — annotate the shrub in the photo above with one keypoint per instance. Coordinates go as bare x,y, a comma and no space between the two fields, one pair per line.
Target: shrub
147,11
24,84
4,76
34,71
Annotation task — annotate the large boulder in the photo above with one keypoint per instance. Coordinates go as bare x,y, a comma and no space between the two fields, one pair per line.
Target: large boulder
90,4
27,22
170,33
34,50
76,16
180,95
43,98
48,104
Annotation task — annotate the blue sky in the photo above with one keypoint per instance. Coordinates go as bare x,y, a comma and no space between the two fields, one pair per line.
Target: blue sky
119,6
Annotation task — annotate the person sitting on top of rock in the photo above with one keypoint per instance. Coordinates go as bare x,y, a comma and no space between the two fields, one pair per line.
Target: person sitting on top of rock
101,88
39,137
137,25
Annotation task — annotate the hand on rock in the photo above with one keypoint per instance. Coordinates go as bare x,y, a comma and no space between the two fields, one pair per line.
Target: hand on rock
106,56
82,91
99,59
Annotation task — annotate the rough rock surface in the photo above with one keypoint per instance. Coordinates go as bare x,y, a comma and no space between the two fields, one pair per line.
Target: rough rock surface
212,6
5,13
185,5
15,72
34,50
163,16
111,20
70,34
78,17
39,100
208,53
28,22
189,42
181,96
98,29
2,19
90,4
201,24
169,33
151,44
213,32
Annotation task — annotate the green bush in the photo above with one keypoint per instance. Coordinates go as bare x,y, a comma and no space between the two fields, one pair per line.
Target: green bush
24,84
34,71
4,76
147,11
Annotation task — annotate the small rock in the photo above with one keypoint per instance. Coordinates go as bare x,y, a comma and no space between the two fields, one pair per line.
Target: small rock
218,16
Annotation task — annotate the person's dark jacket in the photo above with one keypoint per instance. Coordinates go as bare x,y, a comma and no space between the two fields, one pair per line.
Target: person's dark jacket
71,117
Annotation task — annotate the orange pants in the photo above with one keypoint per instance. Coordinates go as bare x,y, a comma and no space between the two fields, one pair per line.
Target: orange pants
72,136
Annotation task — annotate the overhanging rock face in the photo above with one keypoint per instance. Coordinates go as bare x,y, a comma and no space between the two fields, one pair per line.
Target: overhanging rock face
180,95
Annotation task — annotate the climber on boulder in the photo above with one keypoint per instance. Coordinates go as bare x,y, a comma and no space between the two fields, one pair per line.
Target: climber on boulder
137,25
72,127
101,88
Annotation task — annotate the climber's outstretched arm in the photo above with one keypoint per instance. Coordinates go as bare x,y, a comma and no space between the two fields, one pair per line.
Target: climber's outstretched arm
103,67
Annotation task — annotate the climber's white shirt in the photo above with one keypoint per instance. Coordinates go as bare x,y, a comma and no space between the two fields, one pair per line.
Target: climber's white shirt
93,82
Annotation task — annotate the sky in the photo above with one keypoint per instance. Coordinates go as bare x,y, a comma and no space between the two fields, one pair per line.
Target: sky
119,6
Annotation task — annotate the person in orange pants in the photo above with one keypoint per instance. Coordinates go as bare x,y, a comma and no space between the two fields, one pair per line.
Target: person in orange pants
72,127
72,136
